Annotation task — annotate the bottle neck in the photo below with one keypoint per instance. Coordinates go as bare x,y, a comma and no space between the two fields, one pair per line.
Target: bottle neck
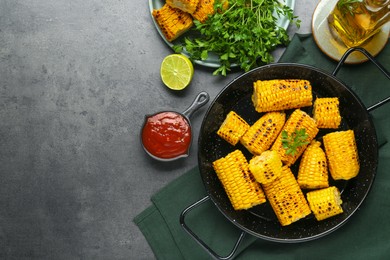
377,5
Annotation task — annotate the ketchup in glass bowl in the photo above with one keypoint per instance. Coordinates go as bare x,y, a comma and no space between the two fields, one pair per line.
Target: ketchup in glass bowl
167,135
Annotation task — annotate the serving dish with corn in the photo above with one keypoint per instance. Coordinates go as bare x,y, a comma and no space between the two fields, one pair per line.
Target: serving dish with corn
262,219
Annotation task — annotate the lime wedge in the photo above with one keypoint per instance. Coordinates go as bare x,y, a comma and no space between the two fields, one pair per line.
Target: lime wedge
176,71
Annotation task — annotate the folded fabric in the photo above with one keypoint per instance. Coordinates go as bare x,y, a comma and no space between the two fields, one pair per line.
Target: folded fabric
364,236
160,222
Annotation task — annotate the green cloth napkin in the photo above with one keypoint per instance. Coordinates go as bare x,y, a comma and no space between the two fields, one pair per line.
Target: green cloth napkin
365,236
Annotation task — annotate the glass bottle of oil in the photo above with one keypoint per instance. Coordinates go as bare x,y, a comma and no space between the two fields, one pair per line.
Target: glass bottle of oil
356,21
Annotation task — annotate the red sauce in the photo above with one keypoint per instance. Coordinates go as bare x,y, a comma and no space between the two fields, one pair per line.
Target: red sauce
166,135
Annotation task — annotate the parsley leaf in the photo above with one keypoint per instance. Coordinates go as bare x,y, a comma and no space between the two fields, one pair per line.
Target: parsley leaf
296,139
348,6
244,34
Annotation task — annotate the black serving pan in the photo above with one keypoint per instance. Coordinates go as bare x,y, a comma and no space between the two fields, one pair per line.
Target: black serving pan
260,221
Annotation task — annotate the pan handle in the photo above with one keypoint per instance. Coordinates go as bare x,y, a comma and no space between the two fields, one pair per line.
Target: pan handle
201,99
201,242
376,63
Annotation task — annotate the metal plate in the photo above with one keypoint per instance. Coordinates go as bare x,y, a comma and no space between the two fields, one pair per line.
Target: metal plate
212,61
260,221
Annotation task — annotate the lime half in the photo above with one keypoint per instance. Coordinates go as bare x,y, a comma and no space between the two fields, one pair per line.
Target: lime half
176,71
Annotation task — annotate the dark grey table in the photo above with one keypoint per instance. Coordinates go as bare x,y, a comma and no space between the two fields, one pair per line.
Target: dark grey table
76,79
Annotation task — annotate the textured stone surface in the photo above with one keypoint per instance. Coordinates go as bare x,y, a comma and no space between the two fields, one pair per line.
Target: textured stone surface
76,80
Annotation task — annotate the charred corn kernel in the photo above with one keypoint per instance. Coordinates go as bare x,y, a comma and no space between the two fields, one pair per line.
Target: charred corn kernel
232,128
266,167
286,198
172,21
326,112
188,6
261,135
297,120
242,189
281,94
325,203
203,10
206,8
313,168
342,154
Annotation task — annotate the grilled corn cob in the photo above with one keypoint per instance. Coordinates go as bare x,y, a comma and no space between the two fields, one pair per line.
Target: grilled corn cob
342,154
286,198
278,94
297,120
266,167
240,186
313,168
203,10
232,128
188,6
325,203
261,135
172,21
326,112
206,8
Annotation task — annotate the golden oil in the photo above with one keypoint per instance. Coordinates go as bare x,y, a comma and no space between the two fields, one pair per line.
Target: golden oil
356,21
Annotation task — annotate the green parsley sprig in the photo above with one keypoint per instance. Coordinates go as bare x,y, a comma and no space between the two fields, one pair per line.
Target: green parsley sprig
245,34
294,140
348,6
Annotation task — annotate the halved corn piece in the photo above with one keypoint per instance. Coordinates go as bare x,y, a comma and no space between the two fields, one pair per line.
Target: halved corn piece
281,94
261,135
313,168
232,128
298,120
203,10
342,153
206,8
325,203
286,198
173,22
326,112
242,189
266,167
188,6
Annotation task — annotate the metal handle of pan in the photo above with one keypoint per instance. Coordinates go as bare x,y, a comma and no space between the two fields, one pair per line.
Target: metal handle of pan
200,241
201,99
372,59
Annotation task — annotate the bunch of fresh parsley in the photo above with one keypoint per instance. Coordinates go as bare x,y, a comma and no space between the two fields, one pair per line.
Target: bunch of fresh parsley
244,34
